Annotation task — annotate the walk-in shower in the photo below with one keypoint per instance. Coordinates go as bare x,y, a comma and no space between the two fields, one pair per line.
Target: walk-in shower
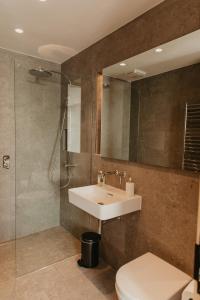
37,99
41,108
41,73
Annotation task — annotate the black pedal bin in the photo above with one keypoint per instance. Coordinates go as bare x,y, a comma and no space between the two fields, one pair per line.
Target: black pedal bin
89,249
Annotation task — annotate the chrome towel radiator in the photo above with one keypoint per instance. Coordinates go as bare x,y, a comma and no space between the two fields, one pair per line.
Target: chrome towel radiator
191,157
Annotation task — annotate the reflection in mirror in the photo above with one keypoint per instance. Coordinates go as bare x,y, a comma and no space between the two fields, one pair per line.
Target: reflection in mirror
151,106
74,117
116,118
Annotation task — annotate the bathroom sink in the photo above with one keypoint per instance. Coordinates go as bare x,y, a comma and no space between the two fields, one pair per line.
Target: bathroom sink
104,202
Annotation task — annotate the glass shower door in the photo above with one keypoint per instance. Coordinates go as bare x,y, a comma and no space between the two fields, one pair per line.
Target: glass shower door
37,112
7,177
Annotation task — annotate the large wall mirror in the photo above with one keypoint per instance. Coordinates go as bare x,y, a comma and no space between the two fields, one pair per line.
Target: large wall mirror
151,106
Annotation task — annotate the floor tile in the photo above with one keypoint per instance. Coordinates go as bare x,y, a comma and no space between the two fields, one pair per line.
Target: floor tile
53,278
42,249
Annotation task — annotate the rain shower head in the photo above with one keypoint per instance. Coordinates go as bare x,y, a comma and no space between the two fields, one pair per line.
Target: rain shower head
40,73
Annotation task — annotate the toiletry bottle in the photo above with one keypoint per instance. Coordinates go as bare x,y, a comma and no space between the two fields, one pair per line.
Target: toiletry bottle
130,187
101,178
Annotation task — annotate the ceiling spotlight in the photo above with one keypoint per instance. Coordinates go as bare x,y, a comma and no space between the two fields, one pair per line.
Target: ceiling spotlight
43,0
19,30
158,50
122,64
140,72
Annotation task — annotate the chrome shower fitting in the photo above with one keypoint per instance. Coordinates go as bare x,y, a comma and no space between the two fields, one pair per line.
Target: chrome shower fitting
120,174
5,162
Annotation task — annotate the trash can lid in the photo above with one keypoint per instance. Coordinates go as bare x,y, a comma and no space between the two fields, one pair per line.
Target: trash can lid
91,237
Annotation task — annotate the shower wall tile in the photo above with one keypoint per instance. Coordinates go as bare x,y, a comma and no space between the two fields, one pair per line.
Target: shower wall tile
37,104
79,176
168,220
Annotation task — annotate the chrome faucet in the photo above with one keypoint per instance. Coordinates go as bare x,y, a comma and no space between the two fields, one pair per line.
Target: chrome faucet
103,174
121,175
115,172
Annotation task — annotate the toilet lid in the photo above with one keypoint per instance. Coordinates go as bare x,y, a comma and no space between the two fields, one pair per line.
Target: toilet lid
150,278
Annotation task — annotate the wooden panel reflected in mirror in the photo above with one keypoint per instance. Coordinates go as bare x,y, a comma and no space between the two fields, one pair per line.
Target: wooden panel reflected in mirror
143,115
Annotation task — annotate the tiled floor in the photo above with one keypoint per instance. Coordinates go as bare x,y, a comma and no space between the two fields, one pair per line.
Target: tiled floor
44,248
62,280
7,271
66,281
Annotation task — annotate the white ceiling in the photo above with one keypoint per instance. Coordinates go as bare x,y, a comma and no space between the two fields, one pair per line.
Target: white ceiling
58,29
176,54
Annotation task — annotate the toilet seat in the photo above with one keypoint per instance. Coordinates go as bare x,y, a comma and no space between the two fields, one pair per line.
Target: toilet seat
121,295
150,278
190,292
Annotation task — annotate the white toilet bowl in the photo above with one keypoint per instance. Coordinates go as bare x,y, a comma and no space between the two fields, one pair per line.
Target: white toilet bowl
190,292
150,278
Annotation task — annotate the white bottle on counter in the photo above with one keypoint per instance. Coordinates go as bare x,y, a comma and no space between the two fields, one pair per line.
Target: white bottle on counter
130,187
101,178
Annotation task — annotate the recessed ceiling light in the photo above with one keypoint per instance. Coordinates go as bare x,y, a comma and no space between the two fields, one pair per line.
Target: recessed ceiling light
122,64
19,30
43,0
140,72
158,50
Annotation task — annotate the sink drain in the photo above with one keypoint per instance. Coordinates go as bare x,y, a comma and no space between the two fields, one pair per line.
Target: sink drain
109,194
100,203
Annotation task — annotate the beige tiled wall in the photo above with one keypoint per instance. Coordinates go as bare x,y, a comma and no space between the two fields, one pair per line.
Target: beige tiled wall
167,223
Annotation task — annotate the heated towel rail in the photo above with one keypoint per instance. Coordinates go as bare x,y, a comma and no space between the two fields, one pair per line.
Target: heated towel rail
191,158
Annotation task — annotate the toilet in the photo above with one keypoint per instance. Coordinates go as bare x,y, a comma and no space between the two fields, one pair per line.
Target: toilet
190,292
150,278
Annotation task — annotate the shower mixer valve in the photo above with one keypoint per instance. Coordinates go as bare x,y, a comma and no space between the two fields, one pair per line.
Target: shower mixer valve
6,162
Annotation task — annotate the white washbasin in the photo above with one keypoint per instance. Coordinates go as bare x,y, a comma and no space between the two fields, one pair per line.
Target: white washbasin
104,202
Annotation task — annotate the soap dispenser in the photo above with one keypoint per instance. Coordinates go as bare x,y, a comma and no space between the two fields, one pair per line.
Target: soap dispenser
130,187
101,178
